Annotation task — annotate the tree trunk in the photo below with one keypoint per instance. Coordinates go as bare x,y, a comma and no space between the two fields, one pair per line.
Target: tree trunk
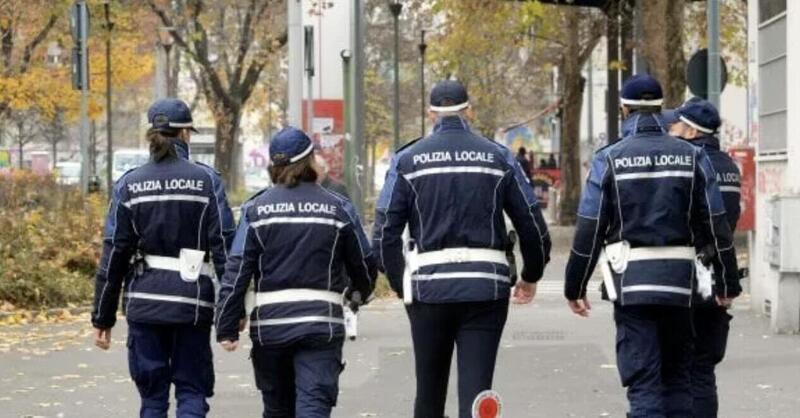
227,132
54,155
21,156
572,101
663,47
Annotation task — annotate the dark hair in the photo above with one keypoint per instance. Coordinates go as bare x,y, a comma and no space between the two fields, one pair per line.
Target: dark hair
522,151
161,146
293,174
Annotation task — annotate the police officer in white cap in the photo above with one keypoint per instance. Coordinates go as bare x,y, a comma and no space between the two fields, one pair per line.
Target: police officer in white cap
649,201
450,189
697,121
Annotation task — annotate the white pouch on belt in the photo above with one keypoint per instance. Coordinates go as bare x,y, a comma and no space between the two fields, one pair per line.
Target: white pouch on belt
608,277
705,278
191,263
350,324
618,255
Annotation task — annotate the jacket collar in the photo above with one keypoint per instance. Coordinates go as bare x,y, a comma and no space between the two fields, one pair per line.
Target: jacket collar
708,141
640,123
181,148
451,123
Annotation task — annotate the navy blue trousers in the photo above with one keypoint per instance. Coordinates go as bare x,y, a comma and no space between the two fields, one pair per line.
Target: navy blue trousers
654,346
162,355
475,329
711,324
300,379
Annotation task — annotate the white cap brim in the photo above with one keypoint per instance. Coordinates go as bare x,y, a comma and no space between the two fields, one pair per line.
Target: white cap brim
455,108
631,102
303,154
703,129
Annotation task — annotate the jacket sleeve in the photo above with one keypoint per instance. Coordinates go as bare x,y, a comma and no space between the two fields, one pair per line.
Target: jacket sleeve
523,209
224,215
733,199
591,225
239,271
119,244
710,226
391,216
358,257
220,225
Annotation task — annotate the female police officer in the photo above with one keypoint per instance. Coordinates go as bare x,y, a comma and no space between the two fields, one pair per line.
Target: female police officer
170,217
300,242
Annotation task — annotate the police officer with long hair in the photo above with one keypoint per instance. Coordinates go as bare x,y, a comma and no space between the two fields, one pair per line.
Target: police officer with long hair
299,243
167,235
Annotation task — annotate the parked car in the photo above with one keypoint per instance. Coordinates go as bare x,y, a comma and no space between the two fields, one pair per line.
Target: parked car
127,159
68,173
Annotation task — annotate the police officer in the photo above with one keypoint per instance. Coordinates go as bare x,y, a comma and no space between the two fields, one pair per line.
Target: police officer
172,218
697,121
650,199
451,189
299,242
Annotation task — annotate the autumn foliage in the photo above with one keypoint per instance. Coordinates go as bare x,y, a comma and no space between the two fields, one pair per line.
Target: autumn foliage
49,241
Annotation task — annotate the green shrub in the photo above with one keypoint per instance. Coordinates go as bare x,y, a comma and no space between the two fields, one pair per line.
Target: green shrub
50,241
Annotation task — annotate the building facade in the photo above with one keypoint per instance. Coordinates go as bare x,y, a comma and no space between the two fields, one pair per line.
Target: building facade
774,121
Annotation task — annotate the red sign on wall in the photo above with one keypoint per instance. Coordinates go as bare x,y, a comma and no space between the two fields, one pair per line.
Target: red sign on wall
745,159
327,131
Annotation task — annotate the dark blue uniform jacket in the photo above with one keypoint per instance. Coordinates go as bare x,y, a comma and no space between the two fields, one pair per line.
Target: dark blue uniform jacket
728,178
451,189
158,209
652,190
305,237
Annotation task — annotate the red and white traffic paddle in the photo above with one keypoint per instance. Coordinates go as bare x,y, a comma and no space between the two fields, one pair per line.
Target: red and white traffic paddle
487,405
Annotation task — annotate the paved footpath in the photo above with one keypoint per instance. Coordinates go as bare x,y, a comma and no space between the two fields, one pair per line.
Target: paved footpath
552,364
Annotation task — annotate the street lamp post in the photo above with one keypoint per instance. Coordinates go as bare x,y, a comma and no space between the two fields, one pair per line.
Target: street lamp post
422,47
109,26
396,8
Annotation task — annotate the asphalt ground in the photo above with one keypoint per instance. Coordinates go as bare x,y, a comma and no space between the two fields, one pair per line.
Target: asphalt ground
551,364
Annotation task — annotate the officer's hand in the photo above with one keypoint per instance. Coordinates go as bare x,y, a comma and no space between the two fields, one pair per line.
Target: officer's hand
724,302
524,293
580,307
229,346
102,338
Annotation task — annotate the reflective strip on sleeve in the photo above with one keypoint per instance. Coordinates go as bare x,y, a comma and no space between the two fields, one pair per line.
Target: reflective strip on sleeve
730,189
166,198
298,220
453,170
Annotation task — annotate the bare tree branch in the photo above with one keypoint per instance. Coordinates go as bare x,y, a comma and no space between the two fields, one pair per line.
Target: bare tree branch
38,39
